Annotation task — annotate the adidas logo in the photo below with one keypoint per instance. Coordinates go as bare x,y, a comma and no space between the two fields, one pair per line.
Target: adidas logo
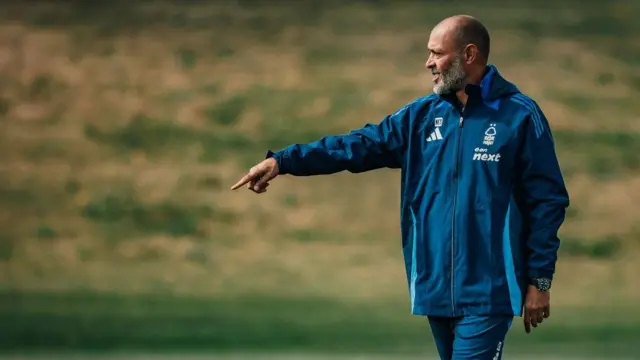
435,135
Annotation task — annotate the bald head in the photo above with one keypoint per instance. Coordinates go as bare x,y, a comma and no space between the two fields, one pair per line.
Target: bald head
465,30
458,53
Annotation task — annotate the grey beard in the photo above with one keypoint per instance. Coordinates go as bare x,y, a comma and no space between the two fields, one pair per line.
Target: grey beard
452,79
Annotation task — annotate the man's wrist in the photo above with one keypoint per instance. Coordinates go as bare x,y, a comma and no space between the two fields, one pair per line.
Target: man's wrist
278,157
540,283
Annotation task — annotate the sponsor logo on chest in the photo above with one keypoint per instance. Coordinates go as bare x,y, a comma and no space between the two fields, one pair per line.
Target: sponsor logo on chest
482,154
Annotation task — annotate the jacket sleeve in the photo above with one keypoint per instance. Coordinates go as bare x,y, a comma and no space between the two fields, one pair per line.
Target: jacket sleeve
372,147
544,195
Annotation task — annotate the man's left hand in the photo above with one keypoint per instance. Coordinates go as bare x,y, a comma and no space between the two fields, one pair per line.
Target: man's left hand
536,307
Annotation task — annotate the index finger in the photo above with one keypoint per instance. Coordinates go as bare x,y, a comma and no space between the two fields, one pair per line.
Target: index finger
527,322
243,181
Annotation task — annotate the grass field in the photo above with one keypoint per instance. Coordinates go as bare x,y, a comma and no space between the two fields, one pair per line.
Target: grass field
122,127
120,138
101,324
284,357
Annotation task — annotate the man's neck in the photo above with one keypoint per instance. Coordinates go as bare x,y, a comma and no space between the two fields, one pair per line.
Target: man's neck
474,78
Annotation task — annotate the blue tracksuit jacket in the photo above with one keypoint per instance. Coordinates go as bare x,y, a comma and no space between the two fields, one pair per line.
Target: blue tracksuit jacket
482,193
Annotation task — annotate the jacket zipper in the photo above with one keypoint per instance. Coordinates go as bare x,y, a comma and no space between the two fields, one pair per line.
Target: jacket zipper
453,215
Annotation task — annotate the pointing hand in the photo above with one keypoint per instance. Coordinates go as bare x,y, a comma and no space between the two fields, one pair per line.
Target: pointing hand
259,176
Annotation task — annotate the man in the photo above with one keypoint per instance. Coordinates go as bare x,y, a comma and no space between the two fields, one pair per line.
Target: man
482,193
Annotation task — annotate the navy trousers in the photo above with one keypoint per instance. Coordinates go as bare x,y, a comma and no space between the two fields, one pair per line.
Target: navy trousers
470,337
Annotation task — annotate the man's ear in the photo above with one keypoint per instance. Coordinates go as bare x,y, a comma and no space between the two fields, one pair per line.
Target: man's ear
470,53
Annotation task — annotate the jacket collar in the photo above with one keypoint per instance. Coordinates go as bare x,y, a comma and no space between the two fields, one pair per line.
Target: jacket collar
492,87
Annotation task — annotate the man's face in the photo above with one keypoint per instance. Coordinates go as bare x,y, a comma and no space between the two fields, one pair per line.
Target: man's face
446,63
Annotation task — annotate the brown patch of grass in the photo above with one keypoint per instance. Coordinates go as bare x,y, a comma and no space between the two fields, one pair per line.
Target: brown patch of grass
606,208
571,290
544,77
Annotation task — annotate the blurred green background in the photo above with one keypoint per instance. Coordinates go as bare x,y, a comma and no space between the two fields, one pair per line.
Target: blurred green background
123,124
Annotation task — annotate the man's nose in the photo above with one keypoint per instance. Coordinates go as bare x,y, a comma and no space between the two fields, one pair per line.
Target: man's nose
430,63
